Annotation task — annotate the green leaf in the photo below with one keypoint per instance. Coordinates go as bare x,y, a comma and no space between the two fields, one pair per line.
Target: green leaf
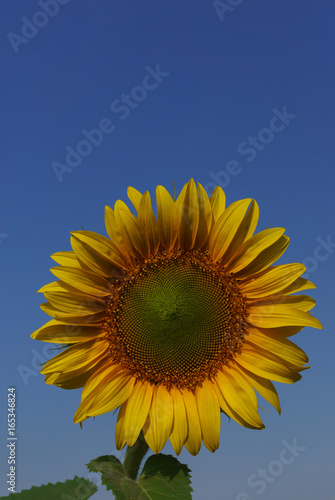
72,489
163,478
113,475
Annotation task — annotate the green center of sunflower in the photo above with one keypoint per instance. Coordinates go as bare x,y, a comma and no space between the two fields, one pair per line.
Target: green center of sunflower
176,319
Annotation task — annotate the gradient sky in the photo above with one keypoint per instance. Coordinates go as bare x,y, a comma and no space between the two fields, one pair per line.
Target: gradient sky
245,98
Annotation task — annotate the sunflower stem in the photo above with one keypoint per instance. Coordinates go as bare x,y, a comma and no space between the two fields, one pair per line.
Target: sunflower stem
134,456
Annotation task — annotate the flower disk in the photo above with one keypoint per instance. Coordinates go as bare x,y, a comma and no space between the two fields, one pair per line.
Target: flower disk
177,320
176,317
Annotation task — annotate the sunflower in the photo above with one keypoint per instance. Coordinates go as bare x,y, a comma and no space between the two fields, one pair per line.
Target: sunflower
176,319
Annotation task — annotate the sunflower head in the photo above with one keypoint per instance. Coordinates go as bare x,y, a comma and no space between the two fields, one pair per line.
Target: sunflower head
176,317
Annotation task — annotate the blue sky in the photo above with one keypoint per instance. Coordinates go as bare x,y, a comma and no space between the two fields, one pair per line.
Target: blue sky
241,96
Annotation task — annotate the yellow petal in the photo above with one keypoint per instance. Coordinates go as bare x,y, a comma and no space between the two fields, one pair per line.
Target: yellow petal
54,286
71,317
266,365
179,430
91,258
114,392
135,414
188,212
218,203
265,258
283,348
272,316
76,356
133,233
205,218
148,219
298,285
228,410
115,234
66,259
281,332
193,442
178,198
100,245
253,247
75,304
167,218
263,386
272,280
105,372
121,205
120,440
239,395
302,302
61,286
245,230
250,221
226,227
74,379
85,281
62,380
158,427
59,332
134,196
209,415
